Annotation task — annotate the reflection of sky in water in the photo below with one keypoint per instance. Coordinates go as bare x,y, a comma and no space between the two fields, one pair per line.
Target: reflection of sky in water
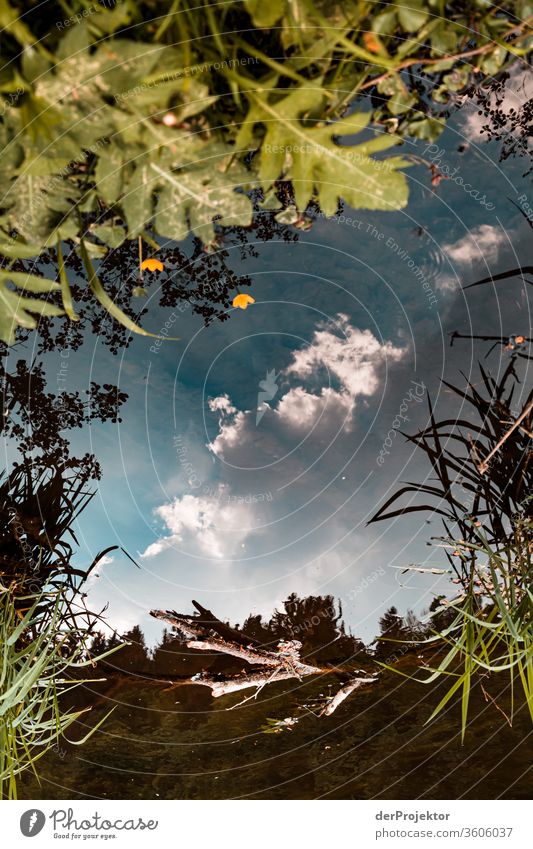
238,514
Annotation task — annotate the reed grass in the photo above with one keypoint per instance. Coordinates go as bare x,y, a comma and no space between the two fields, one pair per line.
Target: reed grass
484,497
40,663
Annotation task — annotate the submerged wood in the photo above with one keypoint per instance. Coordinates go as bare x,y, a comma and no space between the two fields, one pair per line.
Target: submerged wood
284,663
344,692
247,680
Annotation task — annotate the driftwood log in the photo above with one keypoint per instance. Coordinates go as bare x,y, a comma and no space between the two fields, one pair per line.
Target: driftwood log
205,632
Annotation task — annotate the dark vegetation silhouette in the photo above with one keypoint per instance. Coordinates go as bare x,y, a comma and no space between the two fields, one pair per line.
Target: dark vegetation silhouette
480,480
512,127
194,277
315,621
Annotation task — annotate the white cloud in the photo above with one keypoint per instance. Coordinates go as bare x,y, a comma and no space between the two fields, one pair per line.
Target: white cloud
340,365
215,526
350,355
222,404
481,243
230,432
301,410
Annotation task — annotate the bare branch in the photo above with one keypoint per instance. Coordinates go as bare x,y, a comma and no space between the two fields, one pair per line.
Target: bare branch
247,680
284,663
344,692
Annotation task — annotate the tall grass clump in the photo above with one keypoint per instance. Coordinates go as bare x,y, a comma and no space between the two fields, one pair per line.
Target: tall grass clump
40,662
45,628
482,488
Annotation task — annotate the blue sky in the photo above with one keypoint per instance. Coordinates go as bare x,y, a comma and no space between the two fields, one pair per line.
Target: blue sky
236,514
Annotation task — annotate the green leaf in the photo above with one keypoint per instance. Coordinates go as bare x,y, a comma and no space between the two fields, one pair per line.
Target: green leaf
108,173
121,63
75,41
109,235
29,282
492,63
312,159
400,99
17,249
37,206
265,13
443,40
137,201
109,20
411,14
196,197
34,65
16,310
66,294
428,129
385,22
457,80
153,94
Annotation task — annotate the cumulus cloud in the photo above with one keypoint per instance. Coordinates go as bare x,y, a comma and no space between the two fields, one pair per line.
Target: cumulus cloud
221,404
230,432
349,355
301,410
215,526
340,365
483,242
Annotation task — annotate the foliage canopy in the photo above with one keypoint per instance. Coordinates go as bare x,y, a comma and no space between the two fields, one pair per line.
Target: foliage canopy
122,122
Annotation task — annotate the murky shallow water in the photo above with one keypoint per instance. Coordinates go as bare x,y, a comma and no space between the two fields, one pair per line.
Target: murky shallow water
180,744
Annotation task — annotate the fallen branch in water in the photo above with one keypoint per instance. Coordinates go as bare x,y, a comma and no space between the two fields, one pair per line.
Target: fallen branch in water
198,636
344,692
245,681
205,632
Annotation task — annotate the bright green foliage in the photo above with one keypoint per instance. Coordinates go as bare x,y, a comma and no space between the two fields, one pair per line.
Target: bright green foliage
147,125
38,662
310,157
492,634
17,309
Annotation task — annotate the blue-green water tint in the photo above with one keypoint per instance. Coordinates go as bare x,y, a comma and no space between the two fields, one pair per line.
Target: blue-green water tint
353,318
282,506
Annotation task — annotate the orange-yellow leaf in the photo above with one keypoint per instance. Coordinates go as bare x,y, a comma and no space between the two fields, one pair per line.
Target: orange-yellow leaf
242,301
152,264
371,42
